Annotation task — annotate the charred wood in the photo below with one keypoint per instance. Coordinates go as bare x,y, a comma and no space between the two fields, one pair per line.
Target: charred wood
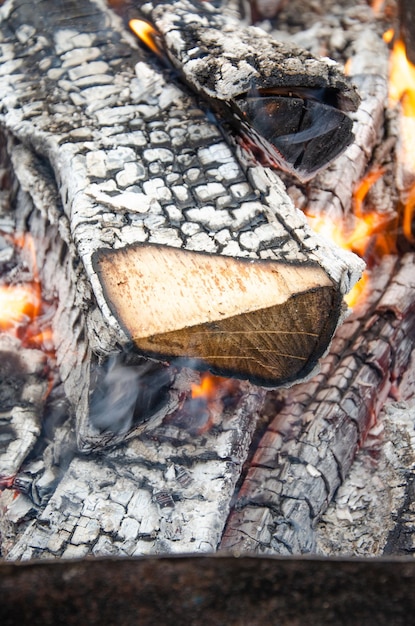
172,477
167,493
127,158
289,104
309,447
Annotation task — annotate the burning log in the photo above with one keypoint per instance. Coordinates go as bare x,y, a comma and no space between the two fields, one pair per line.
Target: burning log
137,182
21,375
175,466
308,449
287,103
169,492
328,195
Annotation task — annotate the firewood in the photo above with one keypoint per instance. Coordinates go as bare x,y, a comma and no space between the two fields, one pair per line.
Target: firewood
329,194
288,103
150,494
170,492
258,321
308,449
22,393
127,176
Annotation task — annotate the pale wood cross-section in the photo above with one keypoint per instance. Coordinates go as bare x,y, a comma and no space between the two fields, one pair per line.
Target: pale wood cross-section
268,321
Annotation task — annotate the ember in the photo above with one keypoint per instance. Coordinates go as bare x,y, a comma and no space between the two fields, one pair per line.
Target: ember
23,312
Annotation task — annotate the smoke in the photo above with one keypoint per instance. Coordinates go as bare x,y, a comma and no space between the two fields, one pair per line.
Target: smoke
127,394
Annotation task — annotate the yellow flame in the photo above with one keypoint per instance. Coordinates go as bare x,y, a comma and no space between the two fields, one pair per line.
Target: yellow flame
408,215
388,35
22,306
357,294
402,80
365,225
18,305
146,33
207,387
368,231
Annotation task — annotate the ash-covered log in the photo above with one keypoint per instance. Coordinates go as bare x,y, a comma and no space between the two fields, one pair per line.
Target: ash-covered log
288,104
170,488
122,164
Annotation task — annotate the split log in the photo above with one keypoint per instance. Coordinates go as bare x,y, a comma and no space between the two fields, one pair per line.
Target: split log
129,164
352,34
309,447
289,104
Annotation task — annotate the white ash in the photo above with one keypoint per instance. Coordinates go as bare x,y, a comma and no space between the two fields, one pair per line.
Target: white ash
366,505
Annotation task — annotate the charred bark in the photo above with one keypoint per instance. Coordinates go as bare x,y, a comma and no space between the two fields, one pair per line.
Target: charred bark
75,103
308,449
169,480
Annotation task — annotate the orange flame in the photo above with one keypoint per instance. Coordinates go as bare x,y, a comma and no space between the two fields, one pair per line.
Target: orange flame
402,80
19,305
209,386
208,398
388,35
147,33
366,235
366,226
402,90
408,216
22,307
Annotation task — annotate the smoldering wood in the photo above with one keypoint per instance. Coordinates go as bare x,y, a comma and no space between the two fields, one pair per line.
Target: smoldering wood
329,194
308,449
23,387
168,493
264,84
358,522
112,184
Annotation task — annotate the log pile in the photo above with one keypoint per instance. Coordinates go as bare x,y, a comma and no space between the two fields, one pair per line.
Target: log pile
118,174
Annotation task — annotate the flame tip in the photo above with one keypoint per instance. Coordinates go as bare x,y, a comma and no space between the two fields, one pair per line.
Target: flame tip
146,33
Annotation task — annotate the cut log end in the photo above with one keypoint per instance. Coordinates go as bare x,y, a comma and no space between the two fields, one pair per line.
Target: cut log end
266,321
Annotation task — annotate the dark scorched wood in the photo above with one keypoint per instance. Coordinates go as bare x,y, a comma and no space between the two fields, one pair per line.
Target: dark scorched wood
308,449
